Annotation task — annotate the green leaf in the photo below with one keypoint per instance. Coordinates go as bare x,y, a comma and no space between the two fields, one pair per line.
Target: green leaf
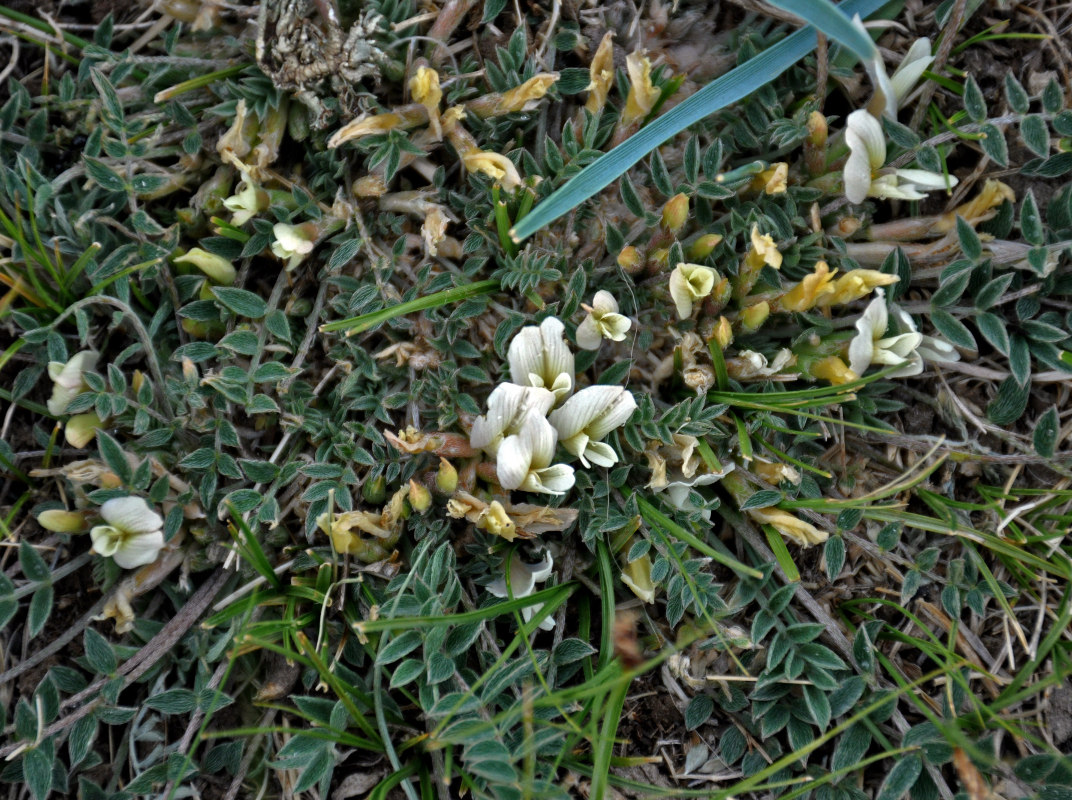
953,329
1016,95
1009,404
82,735
969,240
40,608
241,302
698,711
173,701
1031,220
406,672
106,177
993,144
762,499
571,650
1046,430
1020,359
951,289
99,652
834,556
901,777
1053,97
403,644
818,706
722,91
1036,135
112,454
492,9
33,566
974,103
993,329
37,769
851,747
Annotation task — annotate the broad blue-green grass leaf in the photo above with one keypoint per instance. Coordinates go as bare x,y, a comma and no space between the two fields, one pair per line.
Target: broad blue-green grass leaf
832,22
729,88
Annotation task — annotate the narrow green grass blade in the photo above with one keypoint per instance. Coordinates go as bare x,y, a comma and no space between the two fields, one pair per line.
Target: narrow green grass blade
729,88
833,23
368,321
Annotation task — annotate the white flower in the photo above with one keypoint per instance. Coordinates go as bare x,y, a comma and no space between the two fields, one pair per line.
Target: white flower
603,322
690,283
890,91
907,75
523,580
508,407
67,381
869,347
590,415
540,357
247,203
867,154
755,365
678,481
524,459
292,243
931,348
133,535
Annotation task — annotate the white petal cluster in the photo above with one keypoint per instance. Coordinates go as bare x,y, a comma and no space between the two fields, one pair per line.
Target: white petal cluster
603,322
517,430
539,356
587,417
134,534
67,380
892,90
523,580
867,154
690,283
292,243
910,348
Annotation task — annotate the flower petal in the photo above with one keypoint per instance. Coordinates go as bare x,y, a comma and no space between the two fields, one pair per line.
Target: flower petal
140,550
105,539
589,335
131,515
512,462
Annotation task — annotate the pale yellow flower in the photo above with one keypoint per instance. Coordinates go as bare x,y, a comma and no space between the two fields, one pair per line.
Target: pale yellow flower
527,95
806,294
853,285
803,533
602,74
424,86
637,576
690,283
834,370
217,268
642,92
495,165
81,428
365,126
293,242
763,251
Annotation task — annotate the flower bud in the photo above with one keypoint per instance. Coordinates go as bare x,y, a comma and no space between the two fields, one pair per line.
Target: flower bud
81,428
629,259
375,490
815,144
704,246
60,521
754,316
834,370
723,333
676,212
420,499
446,479
219,270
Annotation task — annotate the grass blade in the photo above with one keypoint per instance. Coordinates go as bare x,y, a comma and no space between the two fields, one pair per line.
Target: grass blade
833,23
729,88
